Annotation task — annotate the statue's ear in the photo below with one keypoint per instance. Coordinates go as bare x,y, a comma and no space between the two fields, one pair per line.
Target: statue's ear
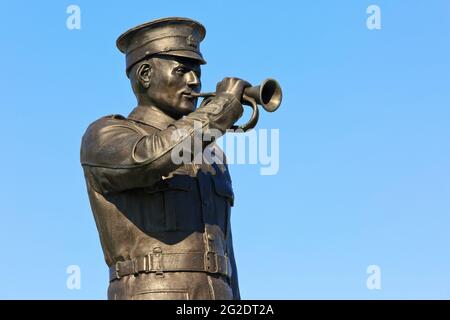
143,74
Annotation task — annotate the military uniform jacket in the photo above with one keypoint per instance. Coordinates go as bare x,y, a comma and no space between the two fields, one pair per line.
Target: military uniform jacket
164,227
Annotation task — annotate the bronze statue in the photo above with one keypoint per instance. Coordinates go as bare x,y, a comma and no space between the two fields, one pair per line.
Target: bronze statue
165,227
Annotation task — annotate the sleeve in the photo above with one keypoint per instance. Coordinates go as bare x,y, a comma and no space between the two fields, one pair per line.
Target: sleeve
116,156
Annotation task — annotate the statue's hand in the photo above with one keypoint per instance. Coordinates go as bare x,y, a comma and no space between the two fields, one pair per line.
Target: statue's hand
234,86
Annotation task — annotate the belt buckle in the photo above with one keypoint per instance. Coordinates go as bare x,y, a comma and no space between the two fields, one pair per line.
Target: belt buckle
211,262
156,260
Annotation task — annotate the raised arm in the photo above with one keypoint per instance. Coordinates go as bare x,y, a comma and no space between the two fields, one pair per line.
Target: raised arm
117,156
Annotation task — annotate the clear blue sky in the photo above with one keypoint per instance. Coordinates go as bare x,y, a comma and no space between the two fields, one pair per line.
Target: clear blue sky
364,173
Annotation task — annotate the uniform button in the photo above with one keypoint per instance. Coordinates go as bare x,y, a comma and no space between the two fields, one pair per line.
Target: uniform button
210,237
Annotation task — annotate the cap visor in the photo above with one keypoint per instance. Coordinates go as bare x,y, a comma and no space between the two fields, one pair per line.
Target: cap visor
185,54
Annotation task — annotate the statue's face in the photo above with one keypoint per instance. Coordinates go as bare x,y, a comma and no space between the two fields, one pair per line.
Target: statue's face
171,81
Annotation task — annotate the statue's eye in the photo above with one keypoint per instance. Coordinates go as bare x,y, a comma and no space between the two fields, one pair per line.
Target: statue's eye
181,70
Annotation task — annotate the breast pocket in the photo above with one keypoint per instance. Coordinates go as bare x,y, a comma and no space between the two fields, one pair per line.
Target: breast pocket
181,204
223,200
223,188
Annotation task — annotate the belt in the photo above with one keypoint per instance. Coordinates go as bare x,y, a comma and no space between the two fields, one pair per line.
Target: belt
159,263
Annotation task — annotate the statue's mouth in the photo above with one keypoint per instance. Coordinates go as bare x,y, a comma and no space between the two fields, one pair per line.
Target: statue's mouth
189,95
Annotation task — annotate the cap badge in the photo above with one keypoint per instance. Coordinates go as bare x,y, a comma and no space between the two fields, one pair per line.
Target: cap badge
191,41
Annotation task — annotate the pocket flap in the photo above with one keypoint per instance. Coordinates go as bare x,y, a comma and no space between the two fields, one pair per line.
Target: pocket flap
180,182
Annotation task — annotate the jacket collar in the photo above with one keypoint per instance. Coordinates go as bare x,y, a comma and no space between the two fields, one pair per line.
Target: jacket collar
151,116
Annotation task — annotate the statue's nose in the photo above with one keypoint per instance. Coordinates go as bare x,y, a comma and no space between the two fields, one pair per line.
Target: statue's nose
193,79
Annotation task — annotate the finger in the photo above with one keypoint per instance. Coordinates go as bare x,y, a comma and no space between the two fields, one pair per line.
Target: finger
246,84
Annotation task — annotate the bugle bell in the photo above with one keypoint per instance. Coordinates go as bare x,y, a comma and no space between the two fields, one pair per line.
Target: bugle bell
268,95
